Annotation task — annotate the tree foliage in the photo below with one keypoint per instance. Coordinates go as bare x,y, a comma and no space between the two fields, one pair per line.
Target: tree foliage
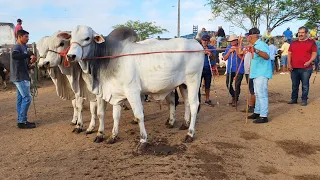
273,12
143,29
313,18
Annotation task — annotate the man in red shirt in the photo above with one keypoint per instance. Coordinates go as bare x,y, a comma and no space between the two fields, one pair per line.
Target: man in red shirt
302,53
18,27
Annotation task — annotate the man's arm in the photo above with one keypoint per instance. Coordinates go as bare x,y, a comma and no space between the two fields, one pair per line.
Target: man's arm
313,57
289,61
225,57
262,54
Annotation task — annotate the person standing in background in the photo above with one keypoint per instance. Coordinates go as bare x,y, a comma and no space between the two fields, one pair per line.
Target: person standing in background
17,28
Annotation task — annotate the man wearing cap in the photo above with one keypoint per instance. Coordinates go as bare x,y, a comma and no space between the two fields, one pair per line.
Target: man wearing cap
300,57
220,35
284,55
206,73
17,28
233,57
261,72
288,34
203,32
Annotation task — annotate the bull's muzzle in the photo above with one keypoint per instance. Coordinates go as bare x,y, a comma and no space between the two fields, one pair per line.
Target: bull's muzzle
71,57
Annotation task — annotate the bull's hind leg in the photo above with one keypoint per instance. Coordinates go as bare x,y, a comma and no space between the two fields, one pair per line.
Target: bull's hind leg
79,105
184,93
75,112
136,105
93,111
193,83
116,118
101,111
172,114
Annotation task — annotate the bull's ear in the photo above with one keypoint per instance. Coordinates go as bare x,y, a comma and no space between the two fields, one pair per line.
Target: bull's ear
98,38
64,35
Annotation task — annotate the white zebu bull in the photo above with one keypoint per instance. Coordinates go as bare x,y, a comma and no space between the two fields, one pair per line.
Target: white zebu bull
129,77
71,81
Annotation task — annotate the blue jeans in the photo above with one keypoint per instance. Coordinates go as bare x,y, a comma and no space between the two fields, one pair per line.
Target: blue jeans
23,100
272,64
302,75
219,40
261,91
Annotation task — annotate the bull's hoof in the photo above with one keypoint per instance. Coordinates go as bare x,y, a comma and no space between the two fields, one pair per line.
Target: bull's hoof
142,148
73,123
112,140
98,139
169,125
134,122
188,139
184,126
77,130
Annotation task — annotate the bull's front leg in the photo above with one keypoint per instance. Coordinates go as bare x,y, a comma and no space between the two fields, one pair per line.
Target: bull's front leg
170,98
79,105
75,112
93,111
101,104
136,105
116,118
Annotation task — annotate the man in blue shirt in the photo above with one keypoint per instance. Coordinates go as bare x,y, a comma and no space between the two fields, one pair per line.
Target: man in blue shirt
206,73
273,51
288,34
19,75
261,72
233,57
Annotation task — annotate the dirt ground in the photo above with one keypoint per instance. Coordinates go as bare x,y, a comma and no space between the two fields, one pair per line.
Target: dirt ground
288,147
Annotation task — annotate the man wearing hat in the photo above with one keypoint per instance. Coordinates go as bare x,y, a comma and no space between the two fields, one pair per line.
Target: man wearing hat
288,34
261,72
206,73
233,57
267,35
18,27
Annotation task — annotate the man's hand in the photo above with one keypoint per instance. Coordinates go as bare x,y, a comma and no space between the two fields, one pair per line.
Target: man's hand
289,67
307,64
33,59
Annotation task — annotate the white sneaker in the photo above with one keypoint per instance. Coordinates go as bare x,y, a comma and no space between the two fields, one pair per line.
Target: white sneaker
287,73
282,73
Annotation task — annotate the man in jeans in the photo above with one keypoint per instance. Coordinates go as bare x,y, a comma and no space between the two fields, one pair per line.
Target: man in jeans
206,73
284,55
221,35
261,72
300,57
19,75
233,57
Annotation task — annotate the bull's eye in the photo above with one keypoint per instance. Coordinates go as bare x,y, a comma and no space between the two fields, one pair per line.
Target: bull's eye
87,39
61,44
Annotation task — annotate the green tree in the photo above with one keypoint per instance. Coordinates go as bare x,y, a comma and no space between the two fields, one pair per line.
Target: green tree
273,12
143,29
313,18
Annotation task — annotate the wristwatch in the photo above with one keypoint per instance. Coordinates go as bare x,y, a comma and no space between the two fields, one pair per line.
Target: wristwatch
256,51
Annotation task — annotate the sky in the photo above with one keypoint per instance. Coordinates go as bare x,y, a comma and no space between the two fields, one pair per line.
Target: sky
44,17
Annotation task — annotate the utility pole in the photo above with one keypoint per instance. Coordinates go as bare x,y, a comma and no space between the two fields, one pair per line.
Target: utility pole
178,18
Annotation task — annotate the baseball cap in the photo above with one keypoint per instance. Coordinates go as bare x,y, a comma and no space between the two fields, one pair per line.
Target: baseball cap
205,37
254,31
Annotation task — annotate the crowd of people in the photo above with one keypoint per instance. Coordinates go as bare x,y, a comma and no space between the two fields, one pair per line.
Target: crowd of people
257,62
